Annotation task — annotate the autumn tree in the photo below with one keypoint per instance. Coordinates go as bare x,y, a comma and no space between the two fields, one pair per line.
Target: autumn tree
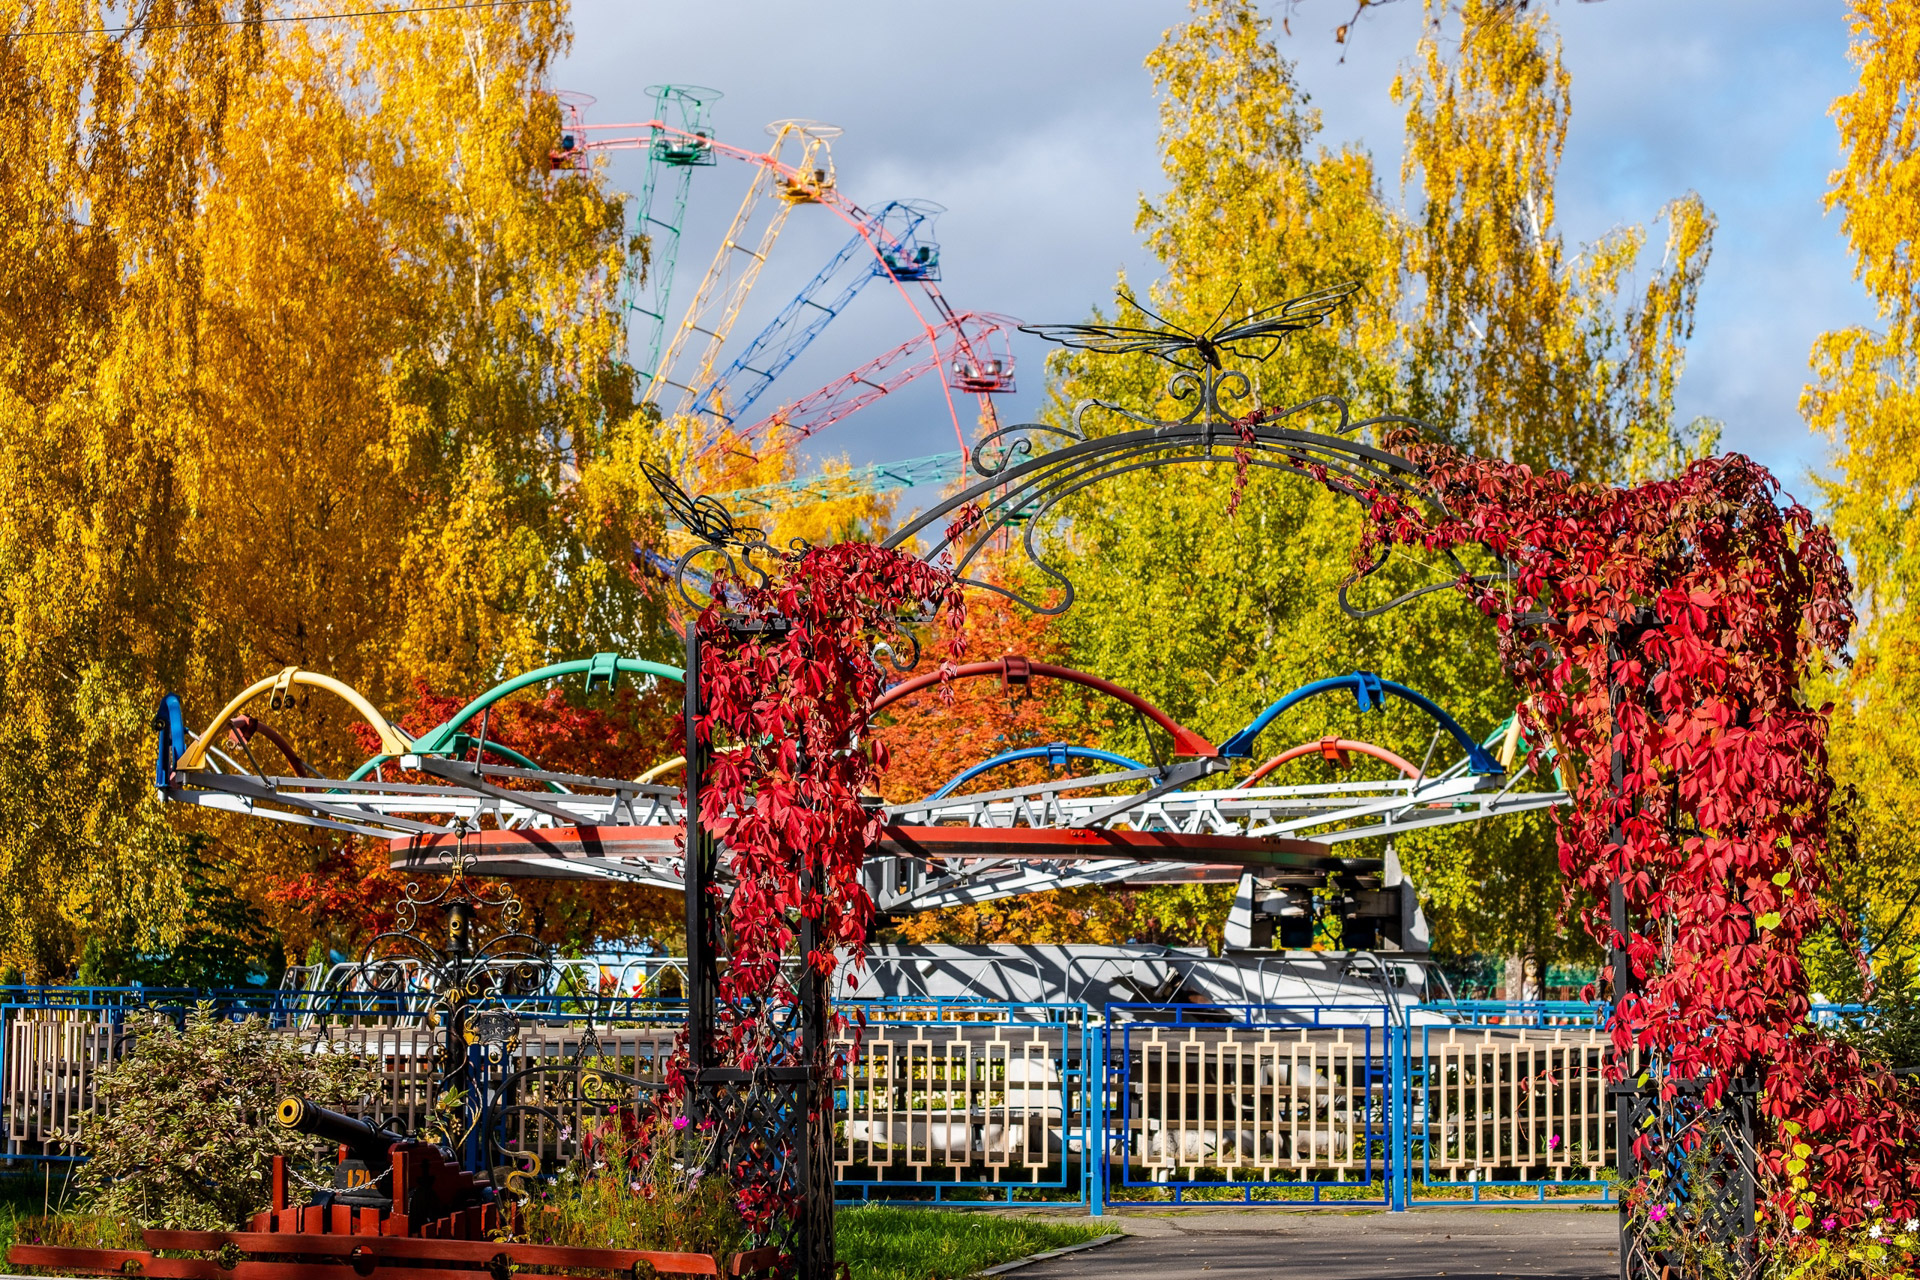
1470,312
1865,397
309,361
1516,347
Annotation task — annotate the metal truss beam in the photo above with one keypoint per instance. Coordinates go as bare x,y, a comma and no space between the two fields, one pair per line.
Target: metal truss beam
937,852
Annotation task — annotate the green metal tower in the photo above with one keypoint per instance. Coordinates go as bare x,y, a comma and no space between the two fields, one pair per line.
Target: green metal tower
662,208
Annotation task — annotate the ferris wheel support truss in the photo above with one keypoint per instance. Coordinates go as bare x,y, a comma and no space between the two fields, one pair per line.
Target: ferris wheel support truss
671,160
874,477
971,348
743,251
661,210
731,393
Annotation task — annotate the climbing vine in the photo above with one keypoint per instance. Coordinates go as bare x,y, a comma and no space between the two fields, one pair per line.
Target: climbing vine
789,671
1666,631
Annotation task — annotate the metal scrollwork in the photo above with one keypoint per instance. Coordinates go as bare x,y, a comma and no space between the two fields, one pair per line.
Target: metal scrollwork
731,552
469,980
901,648
462,951
1020,484
1205,388
551,1102
1019,487
994,452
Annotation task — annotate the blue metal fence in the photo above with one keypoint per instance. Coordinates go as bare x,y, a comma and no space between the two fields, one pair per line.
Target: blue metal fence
969,1102
1255,1103
966,1102
1507,1103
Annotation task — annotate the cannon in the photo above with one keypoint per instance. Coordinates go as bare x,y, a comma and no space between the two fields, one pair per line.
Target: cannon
365,1145
383,1184
398,1209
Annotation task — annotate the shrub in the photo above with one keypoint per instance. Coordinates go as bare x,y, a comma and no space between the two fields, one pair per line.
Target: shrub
181,1134
1874,1249
1889,1031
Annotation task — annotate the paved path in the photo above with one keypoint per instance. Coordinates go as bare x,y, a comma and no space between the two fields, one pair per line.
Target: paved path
1214,1245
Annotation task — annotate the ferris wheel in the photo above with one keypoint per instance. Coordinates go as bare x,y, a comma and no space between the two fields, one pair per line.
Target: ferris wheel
690,365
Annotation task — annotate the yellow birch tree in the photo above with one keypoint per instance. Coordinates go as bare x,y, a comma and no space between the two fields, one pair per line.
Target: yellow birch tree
1865,396
308,361
1517,347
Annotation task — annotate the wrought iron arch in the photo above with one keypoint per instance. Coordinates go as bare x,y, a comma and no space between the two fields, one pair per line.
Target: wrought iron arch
1016,482
1020,484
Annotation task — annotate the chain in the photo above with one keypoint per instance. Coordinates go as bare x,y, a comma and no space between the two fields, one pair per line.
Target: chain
311,1185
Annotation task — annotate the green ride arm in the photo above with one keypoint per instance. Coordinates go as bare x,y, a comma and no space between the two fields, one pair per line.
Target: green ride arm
601,666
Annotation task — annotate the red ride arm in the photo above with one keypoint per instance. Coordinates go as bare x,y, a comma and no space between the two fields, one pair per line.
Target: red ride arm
1014,669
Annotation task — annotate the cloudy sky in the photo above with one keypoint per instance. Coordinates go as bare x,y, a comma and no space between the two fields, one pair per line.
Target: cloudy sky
1034,124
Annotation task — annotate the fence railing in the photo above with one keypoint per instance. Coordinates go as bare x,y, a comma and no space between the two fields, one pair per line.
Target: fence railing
1250,1102
1512,1106
965,1101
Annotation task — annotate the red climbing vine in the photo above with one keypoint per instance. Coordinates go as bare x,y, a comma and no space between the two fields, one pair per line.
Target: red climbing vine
1676,623
789,670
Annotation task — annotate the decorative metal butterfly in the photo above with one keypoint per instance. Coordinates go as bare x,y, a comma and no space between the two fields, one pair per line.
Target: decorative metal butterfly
706,518
1254,338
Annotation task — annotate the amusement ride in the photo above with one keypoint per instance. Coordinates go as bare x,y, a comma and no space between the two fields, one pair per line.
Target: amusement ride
684,363
453,798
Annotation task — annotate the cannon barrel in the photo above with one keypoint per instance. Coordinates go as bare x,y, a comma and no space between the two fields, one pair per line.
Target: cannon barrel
369,1143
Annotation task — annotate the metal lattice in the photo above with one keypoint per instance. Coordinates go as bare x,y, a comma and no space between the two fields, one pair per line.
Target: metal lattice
1700,1177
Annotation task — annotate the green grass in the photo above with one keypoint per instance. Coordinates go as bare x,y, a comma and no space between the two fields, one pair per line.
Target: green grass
24,1196
878,1242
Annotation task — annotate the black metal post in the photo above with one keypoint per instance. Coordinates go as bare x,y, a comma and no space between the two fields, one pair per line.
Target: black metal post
776,1117
696,876
1626,1092
814,1103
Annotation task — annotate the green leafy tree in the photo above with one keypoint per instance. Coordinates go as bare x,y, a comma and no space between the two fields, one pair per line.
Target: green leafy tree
1469,311
224,940
1214,617
184,1133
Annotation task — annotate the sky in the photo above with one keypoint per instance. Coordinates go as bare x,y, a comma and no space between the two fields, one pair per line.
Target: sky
1035,124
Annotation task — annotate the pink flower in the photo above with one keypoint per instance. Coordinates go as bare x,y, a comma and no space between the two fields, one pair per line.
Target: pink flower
1553,1142
1659,1213
679,1122
1826,1224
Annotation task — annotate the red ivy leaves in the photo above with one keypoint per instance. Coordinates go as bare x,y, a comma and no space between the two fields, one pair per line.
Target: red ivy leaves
785,722
1704,602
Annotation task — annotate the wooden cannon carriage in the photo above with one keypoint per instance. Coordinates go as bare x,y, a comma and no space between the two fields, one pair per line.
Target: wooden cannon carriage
398,1209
